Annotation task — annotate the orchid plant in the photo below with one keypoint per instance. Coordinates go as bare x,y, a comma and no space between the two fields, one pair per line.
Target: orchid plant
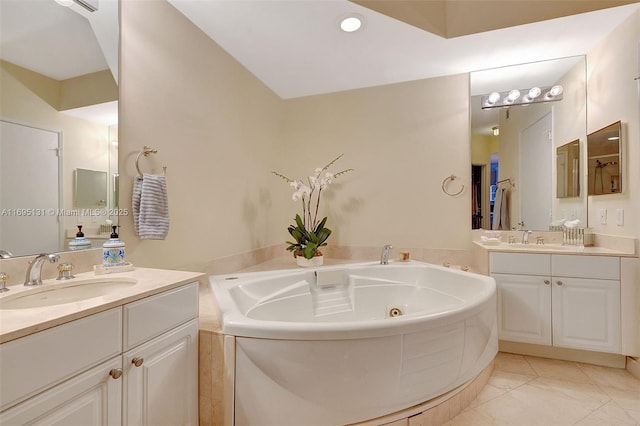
308,232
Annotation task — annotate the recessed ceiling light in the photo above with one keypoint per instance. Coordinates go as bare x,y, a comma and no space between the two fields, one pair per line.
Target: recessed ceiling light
351,23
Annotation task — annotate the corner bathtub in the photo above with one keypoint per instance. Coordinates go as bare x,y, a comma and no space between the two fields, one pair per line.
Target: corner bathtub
371,341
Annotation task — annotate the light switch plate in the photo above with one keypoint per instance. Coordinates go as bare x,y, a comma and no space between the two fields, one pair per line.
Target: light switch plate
620,217
603,216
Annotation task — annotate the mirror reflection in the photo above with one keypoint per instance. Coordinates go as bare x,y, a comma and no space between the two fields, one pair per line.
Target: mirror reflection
513,148
59,92
603,155
568,170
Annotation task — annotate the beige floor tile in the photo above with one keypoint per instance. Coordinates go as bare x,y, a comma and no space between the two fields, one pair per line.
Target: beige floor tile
506,410
611,414
627,399
471,418
611,377
587,394
507,380
512,363
557,369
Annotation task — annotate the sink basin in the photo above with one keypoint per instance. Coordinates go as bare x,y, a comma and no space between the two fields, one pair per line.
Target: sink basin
65,292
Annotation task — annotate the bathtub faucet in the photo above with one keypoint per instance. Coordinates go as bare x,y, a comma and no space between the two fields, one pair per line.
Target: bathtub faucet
384,256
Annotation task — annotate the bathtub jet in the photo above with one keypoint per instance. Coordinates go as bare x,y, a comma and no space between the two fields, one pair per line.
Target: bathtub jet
340,345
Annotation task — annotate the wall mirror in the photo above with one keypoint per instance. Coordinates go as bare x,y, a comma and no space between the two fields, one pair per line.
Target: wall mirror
568,170
604,160
514,147
46,47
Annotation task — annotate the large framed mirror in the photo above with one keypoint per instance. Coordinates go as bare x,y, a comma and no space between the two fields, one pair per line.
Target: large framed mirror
59,91
604,160
513,147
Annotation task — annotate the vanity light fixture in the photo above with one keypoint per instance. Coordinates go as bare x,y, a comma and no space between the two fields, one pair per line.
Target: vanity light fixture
514,96
90,5
351,23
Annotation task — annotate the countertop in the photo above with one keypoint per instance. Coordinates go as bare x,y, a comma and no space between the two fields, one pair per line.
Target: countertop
554,249
16,323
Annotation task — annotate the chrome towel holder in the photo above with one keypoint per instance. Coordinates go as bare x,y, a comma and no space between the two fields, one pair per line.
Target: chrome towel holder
146,151
444,185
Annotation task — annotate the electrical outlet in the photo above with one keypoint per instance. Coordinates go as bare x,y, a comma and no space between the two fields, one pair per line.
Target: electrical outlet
620,217
603,216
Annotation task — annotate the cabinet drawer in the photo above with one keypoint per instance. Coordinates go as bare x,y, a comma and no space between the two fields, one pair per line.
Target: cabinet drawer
598,267
154,315
31,364
520,263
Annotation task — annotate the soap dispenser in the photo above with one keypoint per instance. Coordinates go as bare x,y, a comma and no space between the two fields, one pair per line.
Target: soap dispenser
113,250
79,242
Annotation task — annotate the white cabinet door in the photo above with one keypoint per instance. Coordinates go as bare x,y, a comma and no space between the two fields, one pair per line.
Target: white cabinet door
92,398
524,308
586,314
161,380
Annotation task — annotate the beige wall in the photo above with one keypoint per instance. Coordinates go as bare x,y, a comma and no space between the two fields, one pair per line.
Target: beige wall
220,132
217,129
403,140
613,95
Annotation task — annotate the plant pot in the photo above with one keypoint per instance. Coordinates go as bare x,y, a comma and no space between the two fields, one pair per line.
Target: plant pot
307,263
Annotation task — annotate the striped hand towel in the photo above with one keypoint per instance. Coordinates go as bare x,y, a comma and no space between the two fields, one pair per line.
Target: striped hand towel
153,217
135,202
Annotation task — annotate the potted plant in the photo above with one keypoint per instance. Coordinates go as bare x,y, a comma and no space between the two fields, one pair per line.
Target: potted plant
309,233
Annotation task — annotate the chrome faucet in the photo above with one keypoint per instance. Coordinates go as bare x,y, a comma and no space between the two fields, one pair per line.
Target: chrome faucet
4,254
525,236
384,256
34,270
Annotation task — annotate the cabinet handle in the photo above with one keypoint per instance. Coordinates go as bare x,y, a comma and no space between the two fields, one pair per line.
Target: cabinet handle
559,282
137,361
547,282
115,373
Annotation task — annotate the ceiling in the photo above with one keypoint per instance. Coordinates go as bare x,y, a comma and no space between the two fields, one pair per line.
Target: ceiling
296,48
61,43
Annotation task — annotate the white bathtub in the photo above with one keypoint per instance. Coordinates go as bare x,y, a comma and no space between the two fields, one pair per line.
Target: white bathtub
303,355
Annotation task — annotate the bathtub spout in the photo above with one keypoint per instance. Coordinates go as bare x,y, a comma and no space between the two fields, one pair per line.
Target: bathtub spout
384,256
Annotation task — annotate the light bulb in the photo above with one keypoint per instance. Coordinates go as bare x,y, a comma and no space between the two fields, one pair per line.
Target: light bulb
556,90
350,24
513,95
493,98
534,92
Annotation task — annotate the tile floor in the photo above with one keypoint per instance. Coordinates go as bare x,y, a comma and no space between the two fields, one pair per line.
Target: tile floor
526,390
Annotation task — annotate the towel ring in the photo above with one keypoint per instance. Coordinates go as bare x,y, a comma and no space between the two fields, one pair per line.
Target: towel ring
444,183
146,150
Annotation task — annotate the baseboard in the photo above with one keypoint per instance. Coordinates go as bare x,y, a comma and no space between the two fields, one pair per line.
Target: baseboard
587,357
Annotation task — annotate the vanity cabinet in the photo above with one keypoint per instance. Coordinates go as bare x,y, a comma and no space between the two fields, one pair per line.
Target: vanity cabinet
567,301
136,364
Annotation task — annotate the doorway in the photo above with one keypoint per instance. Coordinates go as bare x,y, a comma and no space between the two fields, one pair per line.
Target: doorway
29,189
536,152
